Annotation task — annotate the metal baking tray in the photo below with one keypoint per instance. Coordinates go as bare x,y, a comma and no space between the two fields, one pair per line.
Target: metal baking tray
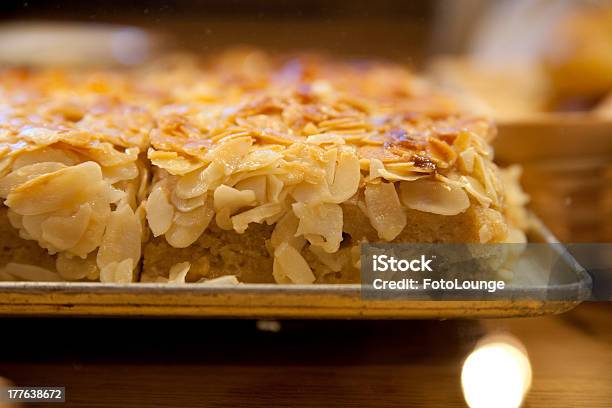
267,301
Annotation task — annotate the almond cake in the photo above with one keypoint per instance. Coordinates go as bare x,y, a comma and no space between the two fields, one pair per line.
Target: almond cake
72,177
247,168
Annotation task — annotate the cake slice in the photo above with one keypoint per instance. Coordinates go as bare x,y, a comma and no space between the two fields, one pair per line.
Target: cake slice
72,177
283,182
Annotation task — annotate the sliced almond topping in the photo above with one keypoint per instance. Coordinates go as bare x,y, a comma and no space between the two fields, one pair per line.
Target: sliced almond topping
187,204
64,232
92,237
467,159
384,210
118,272
46,155
63,189
232,199
30,272
483,174
275,187
173,163
75,268
377,169
257,215
434,197
229,280
178,272
26,173
188,227
476,190
258,159
255,184
285,230
320,224
290,267
230,153
198,182
160,212
127,171
121,239
346,179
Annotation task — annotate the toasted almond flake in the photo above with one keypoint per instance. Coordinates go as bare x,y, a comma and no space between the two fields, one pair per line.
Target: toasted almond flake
118,272
75,268
230,153
30,272
39,135
187,204
230,198
483,174
467,159
160,212
198,182
141,215
121,239
325,138
285,230
178,272
47,154
229,280
107,155
330,158
377,169
188,227
26,173
310,129
127,171
62,189
463,141
33,225
255,184
176,165
92,237
258,159
476,190
311,193
320,224
144,182
384,210
290,267
259,214
275,187
223,219
346,178
485,234
441,153
434,197
6,163
117,195
16,220
64,232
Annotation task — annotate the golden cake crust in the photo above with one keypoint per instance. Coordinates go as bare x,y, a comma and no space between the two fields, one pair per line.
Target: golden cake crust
284,156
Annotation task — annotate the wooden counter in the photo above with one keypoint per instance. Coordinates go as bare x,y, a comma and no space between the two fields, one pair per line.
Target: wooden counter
192,363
